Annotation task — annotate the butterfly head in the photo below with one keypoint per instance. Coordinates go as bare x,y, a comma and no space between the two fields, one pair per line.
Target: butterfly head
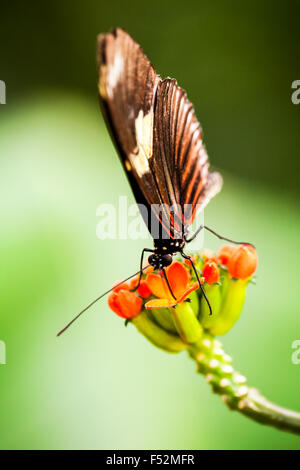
159,261
164,251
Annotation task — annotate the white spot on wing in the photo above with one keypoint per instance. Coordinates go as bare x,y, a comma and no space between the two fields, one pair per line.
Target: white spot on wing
114,73
144,137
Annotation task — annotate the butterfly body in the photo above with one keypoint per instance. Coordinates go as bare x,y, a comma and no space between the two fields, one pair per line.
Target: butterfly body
171,246
164,250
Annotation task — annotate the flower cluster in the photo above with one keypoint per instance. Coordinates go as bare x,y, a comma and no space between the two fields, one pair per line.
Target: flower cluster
174,314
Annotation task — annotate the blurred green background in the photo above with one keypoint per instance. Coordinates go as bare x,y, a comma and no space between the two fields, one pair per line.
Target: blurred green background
101,385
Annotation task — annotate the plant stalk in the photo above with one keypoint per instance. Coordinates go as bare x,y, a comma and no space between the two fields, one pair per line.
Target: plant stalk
216,366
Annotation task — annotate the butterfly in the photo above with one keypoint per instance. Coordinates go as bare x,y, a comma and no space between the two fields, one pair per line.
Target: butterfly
159,140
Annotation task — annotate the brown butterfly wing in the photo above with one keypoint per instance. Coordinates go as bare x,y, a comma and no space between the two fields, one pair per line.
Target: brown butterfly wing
179,156
155,131
127,83
127,89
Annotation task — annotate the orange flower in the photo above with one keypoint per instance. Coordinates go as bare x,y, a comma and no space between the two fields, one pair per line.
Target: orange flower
148,270
243,263
144,290
210,272
225,253
194,259
124,303
178,277
131,284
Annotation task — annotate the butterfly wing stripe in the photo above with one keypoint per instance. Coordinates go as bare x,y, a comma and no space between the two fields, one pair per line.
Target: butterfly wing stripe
161,138
163,141
178,147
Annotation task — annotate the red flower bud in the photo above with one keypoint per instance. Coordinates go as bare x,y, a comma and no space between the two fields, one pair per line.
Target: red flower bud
243,263
124,303
208,254
144,290
123,286
131,284
210,272
225,253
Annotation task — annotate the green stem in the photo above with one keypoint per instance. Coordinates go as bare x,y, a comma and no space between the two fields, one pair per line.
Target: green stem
157,335
216,366
260,409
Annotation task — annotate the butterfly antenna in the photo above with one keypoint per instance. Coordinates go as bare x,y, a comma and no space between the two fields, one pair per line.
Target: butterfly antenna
98,298
188,240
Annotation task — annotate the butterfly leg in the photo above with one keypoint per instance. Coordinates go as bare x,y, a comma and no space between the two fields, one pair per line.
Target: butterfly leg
198,279
145,250
168,284
188,240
